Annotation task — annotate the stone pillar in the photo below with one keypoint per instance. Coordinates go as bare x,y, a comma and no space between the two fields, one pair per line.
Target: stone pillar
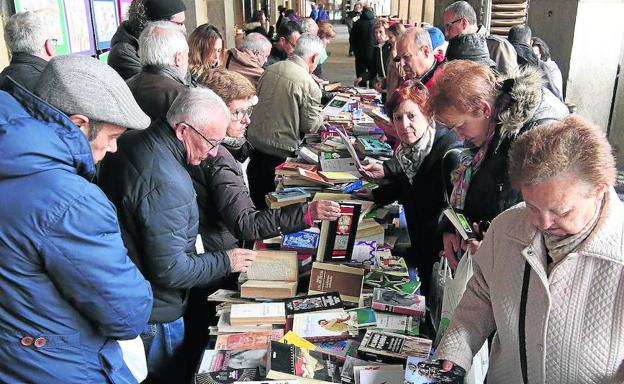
588,63
221,13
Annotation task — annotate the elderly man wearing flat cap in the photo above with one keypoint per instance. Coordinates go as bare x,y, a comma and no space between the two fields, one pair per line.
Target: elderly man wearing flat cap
68,290
124,53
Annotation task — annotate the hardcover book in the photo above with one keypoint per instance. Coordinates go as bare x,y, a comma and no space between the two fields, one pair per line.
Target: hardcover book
403,303
347,281
258,313
314,303
382,345
245,341
273,275
338,237
289,362
325,326
224,325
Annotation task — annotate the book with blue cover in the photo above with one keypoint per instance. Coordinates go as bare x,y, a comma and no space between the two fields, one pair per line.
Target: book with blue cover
308,239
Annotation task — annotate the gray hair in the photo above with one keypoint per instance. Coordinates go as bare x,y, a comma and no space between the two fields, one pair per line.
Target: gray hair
462,9
422,38
308,25
27,32
255,42
308,45
196,106
159,43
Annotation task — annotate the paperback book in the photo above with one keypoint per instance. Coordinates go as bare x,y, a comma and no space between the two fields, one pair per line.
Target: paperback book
391,301
325,326
392,346
257,313
314,303
338,237
289,362
227,376
246,341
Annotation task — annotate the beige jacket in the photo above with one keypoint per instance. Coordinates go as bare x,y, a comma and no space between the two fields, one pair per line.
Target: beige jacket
574,317
501,51
289,106
245,63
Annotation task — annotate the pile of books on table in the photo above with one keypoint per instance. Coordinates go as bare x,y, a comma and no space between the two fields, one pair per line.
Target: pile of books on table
334,303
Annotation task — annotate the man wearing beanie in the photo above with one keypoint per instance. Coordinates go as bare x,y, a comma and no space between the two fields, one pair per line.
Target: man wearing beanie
68,290
124,53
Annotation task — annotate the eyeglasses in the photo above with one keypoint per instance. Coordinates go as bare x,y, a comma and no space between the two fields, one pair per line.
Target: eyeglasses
53,42
448,26
240,113
213,143
290,43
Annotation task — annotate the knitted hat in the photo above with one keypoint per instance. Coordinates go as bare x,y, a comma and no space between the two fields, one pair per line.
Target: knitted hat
437,37
82,85
471,47
162,9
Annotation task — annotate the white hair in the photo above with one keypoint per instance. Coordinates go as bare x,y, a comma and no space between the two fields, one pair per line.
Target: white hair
462,9
197,107
159,43
308,45
27,32
308,25
255,42
422,37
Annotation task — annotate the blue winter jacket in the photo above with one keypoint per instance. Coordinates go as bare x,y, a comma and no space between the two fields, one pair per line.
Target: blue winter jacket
67,287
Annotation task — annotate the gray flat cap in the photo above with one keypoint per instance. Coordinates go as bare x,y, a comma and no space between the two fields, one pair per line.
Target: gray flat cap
82,85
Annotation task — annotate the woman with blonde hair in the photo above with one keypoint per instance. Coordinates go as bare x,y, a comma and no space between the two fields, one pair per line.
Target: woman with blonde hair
205,49
548,277
488,114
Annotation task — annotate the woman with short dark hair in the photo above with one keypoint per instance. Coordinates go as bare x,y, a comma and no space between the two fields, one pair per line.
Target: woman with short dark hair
549,275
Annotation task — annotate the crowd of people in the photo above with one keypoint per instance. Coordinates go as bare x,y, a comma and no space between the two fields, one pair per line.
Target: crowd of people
125,200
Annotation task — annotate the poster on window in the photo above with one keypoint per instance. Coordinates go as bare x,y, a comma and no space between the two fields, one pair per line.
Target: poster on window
123,6
79,27
57,17
105,19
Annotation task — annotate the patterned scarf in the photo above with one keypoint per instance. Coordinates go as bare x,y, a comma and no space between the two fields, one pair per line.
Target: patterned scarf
560,246
411,156
469,165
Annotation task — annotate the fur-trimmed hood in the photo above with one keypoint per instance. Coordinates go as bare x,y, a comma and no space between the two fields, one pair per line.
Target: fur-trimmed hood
525,102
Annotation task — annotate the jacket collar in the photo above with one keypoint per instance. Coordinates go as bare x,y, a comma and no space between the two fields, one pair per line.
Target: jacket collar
607,241
245,57
300,62
25,58
165,71
162,129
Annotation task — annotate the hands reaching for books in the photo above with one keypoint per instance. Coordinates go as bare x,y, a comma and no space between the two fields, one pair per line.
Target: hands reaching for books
372,170
324,210
364,194
357,81
453,245
447,365
240,259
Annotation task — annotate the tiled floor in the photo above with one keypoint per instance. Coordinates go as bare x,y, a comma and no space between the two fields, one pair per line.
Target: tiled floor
339,66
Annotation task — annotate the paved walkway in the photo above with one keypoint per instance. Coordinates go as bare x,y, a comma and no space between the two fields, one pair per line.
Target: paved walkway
339,66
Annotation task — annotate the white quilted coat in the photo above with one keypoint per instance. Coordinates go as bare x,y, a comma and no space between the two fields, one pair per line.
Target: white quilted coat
575,317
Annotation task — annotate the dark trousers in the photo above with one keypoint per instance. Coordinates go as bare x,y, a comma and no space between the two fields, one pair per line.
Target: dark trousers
261,176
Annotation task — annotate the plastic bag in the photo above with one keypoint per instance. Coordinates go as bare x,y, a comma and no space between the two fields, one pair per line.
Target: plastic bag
439,276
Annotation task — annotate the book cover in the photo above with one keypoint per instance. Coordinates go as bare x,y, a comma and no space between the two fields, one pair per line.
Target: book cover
307,239
227,376
314,303
393,345
268,289
313,177
347,281
215,360
461,223
288,194
390,265
401,324
400,284
245,341
338,177
365,317
337,161
339,349
403,303
411,371
338,237
257,313
290,362
325,326
388,374
293,339
348,372
228,296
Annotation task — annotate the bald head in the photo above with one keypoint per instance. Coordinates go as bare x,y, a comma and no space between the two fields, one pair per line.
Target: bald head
415,52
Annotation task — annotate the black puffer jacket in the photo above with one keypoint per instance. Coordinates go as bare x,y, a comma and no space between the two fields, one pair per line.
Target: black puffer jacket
148,182
155,89
25,69
226,212
124,52
530,104
423,199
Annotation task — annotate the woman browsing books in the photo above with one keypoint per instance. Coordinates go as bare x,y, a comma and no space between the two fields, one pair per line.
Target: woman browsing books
414,175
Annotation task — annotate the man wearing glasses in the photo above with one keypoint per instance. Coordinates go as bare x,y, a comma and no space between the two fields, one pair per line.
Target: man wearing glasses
148,182
29,38
284,47
460,18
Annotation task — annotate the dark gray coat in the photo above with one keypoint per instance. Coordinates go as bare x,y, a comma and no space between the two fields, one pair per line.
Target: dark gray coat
227,214
124,55
25,69
148,182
